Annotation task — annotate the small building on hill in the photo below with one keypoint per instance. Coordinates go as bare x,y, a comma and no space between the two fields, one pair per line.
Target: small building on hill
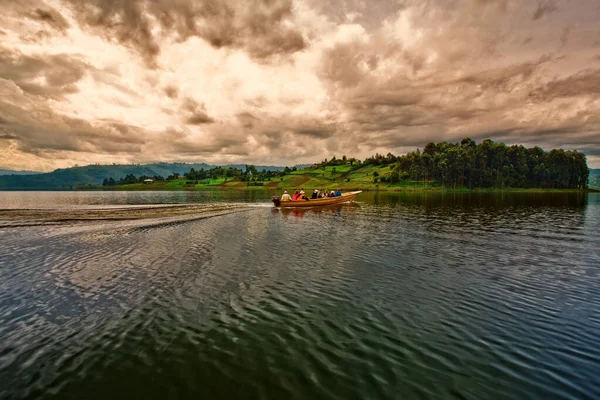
148,180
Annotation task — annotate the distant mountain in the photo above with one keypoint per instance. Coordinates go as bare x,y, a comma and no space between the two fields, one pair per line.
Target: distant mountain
11,172
594,179
70,178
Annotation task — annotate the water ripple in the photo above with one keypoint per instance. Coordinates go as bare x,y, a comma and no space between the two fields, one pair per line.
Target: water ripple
391,297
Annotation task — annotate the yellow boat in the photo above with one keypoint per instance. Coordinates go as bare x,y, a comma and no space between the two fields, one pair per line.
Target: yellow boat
325,201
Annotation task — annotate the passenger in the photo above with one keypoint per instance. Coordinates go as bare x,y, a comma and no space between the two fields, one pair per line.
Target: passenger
315,194
320,194
332,194
338,193
285,196
325,193
302,196
295,196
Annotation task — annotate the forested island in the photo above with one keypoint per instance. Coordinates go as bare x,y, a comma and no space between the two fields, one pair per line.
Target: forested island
456,166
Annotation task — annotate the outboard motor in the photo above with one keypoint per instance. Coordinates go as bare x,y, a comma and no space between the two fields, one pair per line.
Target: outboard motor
276,201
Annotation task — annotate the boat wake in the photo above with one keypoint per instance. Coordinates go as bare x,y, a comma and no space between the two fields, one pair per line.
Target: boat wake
15,218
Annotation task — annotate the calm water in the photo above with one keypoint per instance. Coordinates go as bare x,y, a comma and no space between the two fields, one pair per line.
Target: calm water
394,296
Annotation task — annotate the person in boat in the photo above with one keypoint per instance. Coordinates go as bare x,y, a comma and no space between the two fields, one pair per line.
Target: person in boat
320,195
332,194
285,196
302,196
315,194
296,194
338,193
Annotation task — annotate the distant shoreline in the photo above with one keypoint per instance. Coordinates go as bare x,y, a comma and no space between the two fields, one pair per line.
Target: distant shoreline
403,189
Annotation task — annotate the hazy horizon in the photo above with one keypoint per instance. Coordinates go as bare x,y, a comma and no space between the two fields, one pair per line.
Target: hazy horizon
286,82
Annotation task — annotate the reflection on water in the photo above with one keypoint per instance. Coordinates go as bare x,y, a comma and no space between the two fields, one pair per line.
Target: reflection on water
92,199
393,296
300,212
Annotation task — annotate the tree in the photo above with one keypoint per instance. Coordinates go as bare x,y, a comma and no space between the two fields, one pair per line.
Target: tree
395,174
105,182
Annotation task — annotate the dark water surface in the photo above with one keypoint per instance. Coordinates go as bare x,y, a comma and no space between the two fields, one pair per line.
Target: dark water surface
392,297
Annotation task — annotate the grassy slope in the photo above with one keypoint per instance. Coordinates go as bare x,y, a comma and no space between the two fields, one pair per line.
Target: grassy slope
69,178
308,179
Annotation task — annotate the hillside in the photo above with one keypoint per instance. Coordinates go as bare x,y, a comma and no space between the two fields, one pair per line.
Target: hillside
325,177
463,166
458,166
12,172
71,178
594,180
344,177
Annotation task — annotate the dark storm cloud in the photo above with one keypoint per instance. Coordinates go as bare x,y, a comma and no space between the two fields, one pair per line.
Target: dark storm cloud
255,26
315,133
381,76
247,120
199,118
544,7
38,129
45,75
179,141
460,92
583,83
195,112
51,17
171,91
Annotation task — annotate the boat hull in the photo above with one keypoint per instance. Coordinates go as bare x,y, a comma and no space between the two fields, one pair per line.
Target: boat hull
327,201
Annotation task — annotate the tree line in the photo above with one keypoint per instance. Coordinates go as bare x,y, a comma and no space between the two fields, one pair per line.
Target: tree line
129,179
465,164
487,164
249,174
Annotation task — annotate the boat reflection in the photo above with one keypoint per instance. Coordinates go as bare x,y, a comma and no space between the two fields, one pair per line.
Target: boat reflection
336,209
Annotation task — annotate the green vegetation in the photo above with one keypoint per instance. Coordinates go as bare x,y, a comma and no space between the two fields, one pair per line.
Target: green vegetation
13,172
456,166
93,175
489,165
594,181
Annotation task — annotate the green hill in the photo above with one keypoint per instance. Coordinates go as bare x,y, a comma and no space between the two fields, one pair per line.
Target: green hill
457,166
594,179
12,172
462,166
71,178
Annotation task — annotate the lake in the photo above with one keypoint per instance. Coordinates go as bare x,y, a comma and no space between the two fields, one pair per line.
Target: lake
467,296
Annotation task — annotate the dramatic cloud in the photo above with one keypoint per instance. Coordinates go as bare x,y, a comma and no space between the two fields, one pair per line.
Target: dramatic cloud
291,81
51,75
51,17
256,26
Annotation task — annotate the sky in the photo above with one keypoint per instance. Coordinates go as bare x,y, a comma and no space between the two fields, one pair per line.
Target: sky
283,82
